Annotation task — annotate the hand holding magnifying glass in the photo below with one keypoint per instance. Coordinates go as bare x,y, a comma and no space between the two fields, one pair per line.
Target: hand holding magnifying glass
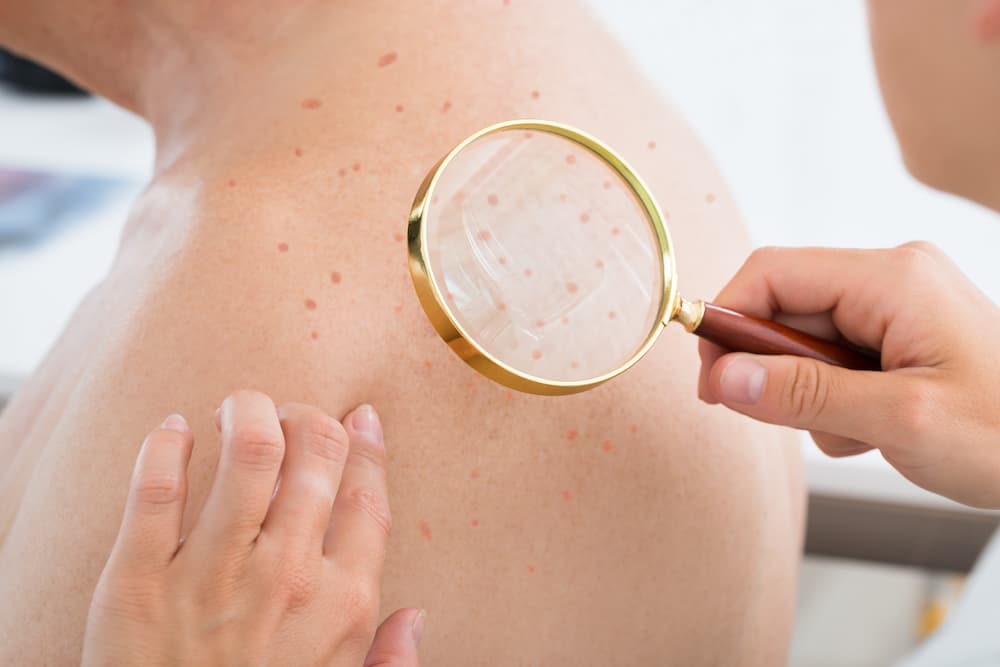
543,260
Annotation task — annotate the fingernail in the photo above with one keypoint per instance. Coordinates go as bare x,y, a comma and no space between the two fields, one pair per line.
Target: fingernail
365,420
418,626
217,419
175,423
743,381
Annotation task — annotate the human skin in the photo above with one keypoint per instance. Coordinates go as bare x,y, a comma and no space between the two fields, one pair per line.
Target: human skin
931,412
626,525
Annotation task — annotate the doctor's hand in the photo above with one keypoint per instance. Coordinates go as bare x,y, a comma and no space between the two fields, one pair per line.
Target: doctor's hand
934,411
283,565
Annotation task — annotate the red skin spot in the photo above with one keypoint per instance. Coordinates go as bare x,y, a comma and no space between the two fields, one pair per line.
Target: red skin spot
528,135
427,364
608,446
398,309
356,166
539,323
425,530
314,335
607,185
574,364
310,304
633,429
563,197
502,260
493,200
474,474
469,386
399,108
509,395
484,235
528,273
599,263
585,218
652,145
311,103
298,152
449,296
506,3
335,278
710,198
615,231
535,94
398,237
342,172
282,247
567,495
445,107
565,320
536,354
388,59
501,306
475,523
531,569
571,434
611,315
571,288
231,183
570,159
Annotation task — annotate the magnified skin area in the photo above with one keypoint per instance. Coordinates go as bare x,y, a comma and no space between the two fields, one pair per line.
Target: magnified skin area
627,525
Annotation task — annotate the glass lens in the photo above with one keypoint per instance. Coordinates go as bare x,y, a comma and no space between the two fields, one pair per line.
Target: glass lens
544,255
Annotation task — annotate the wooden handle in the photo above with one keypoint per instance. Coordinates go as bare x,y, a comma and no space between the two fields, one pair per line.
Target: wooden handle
743,333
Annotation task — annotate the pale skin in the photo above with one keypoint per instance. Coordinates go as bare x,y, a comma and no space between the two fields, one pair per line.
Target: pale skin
630,523
932,412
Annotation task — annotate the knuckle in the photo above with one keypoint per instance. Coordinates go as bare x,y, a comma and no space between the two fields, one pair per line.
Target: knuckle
298,586
257,448
804,392
325,438
915,412
360,606
372,503
916,256
158,489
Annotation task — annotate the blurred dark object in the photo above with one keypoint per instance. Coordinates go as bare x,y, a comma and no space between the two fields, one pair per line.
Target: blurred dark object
28,77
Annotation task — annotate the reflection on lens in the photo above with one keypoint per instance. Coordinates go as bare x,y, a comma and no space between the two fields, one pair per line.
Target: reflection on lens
544,256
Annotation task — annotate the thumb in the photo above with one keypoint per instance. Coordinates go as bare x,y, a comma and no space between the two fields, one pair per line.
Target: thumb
808,394
397,639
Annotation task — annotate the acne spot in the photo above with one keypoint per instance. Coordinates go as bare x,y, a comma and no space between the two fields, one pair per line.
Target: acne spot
574,364
493,200
425,530
615,231
599,264
570,159
469,385
449,296
484,235
399,108
539,323
388,59
475,523
501,306
528,135
611,315
314,335
528,273
536,354
652,145
298,152
608,446
571,434
509,395
446,106
231,183
474,474
506,3
585,218
311,103
571,288
398,309
398,237
427,364
310,304
531,569
567,495
335,277
502,260
535,94
565,320
607,185
563,197
356,166
633,429
342,172
282,247
709,198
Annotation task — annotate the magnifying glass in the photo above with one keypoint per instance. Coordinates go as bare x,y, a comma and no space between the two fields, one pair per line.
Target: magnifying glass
543,261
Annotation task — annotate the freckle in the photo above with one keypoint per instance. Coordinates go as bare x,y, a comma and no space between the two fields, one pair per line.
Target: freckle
398,309
710,198
298,152
599,264
475,523
445,106
563,197
427,364
397,237
608,446
335,277
356,166
615,231
571,288
633,429
528,273
652,145
584,217
565,320
484,235
314,335
539,323
399,108
502,260
501,306
531,569
492,200
536,354
388,59
571,434
567,495
535,94
425,530
282,247
474,474
607,185
310,304
574,364
570,159
231,183
311,103
509,395
342,172
611,315
470,385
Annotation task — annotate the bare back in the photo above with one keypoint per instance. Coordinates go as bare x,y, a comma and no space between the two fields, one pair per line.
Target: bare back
627,525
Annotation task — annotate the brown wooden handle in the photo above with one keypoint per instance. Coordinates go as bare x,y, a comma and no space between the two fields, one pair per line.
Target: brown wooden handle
743,333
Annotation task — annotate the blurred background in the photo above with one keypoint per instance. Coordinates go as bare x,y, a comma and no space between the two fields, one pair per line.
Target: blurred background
784,95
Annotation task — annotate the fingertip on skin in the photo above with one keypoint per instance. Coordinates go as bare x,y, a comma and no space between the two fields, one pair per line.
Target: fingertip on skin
175,422
217,419
364,421
418,626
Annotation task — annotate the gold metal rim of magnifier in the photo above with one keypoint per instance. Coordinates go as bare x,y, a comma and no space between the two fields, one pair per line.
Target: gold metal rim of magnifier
464,345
